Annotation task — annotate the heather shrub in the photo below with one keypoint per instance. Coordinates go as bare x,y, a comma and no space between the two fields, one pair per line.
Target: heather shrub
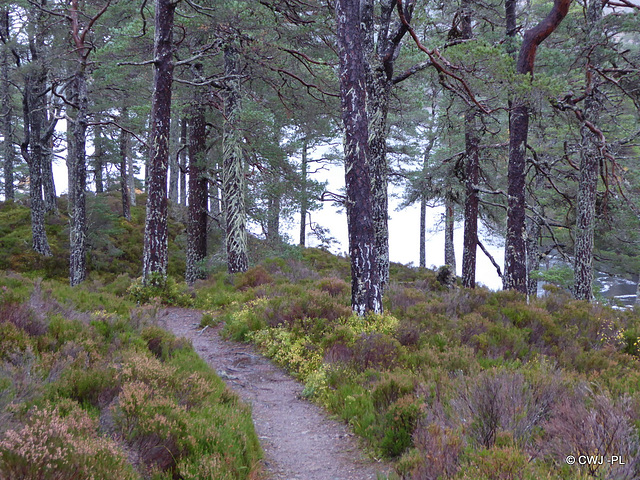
252,278
436,455
166,289
296,271
248,319
12,339
23,317
497,463
497,401
399,423
390,387
593,424
399,298
162,343
375,350
96,385
61,442
336,287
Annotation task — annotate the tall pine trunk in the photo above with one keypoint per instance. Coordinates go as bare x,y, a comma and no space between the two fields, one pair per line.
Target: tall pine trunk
6,111
182,162
48,182
125,172
366,291
98,143
472,176
198,195
32,154
472,201
77,190
34,112
449,227
173,161
303,190
515,258
233,181
380,48
590,158
155,255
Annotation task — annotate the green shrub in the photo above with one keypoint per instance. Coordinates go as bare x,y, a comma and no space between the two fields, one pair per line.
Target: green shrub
164,289
399,423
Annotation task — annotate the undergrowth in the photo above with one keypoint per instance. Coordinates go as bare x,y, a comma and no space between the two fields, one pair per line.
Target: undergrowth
449,383
93,388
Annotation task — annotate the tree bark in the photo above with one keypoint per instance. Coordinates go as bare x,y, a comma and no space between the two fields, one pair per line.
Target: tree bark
449,226
48,183
77,190
98,143
366,291
303,199
155,255
6,111
423,227
198,195
590,158
472,176
34,107
380,50
174,169
274,205
124,170
131,179
182,162
472,200
515,264
233,181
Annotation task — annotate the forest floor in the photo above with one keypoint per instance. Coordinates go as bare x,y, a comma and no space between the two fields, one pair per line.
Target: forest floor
299,441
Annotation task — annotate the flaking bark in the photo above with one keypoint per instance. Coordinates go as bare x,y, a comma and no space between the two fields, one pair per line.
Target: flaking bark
233,171
155,231
6,111
198,195
590,158
366,292
124,170
472,176
77,190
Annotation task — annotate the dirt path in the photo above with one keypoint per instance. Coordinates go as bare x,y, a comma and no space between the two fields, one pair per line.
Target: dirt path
299,441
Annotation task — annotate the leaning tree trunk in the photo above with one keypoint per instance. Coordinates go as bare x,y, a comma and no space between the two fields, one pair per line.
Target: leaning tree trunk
515,258
366,291
6,111
198,195
233,171
77,190
590,158
155,255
